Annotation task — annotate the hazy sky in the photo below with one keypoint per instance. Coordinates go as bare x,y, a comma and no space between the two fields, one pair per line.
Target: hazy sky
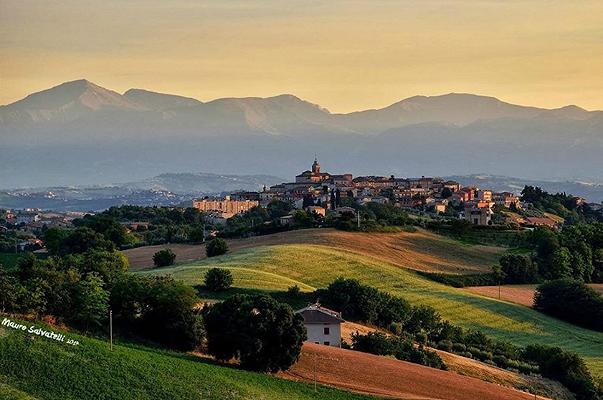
343,55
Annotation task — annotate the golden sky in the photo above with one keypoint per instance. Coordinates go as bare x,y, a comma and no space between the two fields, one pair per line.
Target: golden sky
343,55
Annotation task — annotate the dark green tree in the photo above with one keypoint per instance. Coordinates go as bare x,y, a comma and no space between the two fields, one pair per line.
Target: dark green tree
216,247
91,303
164,258
261,333
218,279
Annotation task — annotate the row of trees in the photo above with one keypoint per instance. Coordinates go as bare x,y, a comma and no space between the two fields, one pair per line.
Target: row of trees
575,252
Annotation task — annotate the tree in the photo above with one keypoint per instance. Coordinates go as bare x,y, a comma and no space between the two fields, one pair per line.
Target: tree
263,334
170,314
571,300
107,264
9,291
518,268
164,258
216,247
446,193
83,239
561,264
91,303
218,279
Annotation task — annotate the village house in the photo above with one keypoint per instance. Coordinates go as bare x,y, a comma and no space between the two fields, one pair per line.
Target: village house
323,326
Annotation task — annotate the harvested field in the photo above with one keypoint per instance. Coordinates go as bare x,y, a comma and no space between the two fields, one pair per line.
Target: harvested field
519,294
383,376
421,250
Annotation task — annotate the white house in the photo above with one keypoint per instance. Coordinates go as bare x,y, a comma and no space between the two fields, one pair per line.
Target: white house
323,325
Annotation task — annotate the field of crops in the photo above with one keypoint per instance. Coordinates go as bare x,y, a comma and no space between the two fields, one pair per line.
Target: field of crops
313,266
420,250
50,370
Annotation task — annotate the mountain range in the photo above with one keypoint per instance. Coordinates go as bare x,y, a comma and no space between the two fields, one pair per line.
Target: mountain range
81,133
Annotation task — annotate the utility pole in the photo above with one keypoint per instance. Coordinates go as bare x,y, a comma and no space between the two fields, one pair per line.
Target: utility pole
111,329
315,367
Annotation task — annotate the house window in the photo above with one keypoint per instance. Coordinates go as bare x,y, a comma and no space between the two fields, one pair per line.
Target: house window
327,343
317,342
326,331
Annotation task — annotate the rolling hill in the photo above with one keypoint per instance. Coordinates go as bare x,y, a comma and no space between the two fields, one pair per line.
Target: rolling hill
38,368
421,250
311,265
81,133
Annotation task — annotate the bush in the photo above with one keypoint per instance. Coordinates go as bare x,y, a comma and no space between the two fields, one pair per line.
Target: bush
218,279
164,258
565,367
216,247
261,333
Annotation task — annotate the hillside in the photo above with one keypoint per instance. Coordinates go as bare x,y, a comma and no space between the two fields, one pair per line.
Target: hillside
113,137
421,250
317,266
382,376
48,370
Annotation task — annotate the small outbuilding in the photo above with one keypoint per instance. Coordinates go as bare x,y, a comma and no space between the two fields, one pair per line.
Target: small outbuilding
323,325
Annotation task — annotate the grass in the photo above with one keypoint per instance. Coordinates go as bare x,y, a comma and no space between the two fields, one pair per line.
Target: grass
316,266
40,368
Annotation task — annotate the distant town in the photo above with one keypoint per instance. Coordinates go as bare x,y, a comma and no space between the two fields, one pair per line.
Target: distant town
320,192
323,194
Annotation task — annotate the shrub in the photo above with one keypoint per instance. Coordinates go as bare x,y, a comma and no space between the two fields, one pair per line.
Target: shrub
164,258
261,333
218,279
445,345
565,367
293,291
216,247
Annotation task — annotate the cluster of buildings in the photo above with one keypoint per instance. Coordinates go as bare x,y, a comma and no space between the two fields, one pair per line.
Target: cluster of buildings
318,191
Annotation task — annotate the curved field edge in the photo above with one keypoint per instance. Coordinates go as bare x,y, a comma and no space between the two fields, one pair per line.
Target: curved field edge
40,368
420,250
317,266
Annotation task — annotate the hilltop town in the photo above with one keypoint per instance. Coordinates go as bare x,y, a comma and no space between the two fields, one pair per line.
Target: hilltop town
320,192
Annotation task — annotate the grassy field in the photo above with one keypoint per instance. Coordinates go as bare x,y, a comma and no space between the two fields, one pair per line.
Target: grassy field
40,368
421,250
313,266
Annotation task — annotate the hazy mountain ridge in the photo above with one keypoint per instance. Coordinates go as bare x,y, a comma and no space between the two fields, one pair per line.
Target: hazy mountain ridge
164,189
80,133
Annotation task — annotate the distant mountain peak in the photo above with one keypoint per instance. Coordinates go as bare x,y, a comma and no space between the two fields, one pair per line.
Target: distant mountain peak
158,101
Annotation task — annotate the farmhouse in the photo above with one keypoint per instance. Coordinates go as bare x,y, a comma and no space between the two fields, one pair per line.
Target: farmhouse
323,325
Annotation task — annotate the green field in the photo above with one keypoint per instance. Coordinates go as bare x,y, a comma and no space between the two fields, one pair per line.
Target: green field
40,368
311,266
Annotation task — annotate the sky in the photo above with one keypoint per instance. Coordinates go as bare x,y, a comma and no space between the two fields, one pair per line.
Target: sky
344,55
